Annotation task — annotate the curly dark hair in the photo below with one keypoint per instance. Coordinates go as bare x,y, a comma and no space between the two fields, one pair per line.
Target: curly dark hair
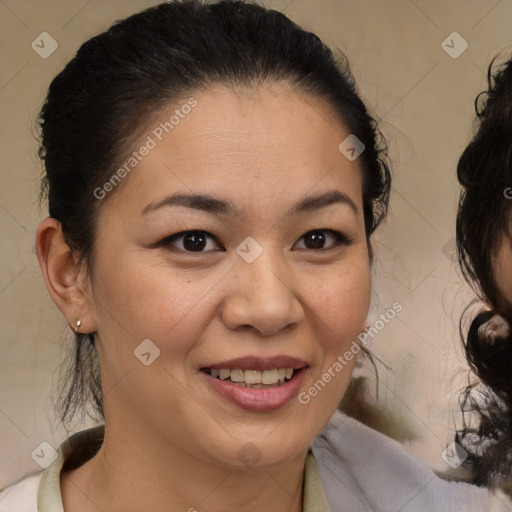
103,100
485,172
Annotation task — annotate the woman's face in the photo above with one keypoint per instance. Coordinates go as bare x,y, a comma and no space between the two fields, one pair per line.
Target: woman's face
262,283
503,265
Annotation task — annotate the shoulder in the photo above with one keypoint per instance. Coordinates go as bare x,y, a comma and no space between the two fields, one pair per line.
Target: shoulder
22,495
43,487
374,472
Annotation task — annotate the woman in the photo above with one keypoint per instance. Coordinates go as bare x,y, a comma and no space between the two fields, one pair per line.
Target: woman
484,247
213,181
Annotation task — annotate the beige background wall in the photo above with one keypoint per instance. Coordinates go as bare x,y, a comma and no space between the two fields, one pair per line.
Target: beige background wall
425,100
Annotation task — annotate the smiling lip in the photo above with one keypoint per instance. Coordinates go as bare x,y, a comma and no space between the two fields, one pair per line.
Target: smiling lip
259,400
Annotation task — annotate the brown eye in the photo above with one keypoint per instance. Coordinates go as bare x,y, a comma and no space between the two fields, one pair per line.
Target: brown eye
190,241
317,239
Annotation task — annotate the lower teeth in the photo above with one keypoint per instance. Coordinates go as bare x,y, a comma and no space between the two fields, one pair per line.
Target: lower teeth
257,386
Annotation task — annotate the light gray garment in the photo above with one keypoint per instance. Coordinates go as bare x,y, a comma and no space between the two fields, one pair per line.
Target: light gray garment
362,470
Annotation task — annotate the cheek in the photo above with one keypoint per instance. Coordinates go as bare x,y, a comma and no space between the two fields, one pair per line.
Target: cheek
342,303
341,306
137,301
503,269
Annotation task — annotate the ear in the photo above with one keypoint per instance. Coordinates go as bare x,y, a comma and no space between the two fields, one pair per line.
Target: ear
65,281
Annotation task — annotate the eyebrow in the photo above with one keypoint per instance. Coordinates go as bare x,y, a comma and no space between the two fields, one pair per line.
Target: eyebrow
213,205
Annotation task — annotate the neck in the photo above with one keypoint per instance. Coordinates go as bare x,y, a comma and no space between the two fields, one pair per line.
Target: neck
137,470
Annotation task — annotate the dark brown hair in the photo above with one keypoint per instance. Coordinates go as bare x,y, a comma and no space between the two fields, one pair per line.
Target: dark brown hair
485,173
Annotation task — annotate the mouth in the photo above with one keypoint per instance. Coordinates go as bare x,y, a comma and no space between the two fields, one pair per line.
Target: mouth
257,384
253,379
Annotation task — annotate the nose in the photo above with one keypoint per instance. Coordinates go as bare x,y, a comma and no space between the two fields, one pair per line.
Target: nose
261,296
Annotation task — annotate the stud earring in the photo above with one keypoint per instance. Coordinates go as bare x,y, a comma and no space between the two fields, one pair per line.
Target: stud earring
78,323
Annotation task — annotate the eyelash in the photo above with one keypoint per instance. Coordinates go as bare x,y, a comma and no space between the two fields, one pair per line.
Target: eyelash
341,239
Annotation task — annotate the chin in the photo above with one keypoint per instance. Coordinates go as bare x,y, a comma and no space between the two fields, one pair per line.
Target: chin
258,452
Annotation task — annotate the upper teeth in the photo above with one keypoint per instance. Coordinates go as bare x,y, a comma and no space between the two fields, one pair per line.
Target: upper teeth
254,376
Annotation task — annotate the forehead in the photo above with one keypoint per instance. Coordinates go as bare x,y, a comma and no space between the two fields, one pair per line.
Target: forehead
267,142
